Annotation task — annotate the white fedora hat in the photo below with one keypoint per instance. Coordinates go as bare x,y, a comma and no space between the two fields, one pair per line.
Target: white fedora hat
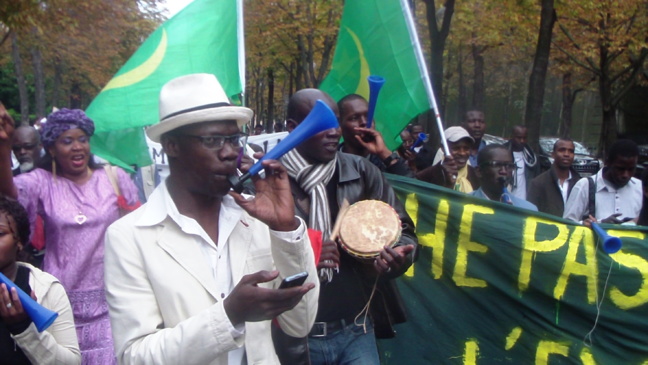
193,99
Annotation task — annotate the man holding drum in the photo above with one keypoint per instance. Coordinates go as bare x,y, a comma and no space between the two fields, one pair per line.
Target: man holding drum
322,178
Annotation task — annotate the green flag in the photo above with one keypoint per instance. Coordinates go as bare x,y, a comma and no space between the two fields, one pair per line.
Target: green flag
203,37
377,37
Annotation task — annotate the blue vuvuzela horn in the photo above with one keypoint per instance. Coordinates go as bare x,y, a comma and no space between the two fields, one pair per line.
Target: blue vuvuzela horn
41,316
321,118
422,138
375,84
611,244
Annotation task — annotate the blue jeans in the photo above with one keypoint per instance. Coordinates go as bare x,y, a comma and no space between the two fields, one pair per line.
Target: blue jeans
347,346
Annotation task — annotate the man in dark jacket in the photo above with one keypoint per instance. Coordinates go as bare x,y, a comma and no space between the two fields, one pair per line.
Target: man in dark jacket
550,190
454,172
321,179
525,159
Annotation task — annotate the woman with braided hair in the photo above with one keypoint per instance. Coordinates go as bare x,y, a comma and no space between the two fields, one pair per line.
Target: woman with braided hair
78,202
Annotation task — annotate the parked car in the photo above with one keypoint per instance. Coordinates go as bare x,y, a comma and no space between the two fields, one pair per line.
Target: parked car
490,139
584,162
643,154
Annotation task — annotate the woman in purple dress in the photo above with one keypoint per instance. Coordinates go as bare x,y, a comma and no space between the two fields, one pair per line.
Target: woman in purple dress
77,202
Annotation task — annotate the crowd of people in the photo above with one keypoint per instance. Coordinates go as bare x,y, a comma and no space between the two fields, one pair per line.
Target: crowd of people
194,276
511,173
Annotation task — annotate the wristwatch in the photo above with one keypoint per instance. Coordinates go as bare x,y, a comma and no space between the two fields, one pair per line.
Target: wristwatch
388,161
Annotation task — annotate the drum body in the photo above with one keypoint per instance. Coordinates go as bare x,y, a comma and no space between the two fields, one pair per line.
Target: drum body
367,227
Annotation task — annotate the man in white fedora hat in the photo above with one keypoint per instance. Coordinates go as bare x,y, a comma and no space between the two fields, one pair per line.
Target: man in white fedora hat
192,276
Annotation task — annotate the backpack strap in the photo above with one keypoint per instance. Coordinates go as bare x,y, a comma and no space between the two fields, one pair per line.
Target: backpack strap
591,205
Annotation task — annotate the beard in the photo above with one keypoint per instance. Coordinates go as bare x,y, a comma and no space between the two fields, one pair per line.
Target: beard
26,166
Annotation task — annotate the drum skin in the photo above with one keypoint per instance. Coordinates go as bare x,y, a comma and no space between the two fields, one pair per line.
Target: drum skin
367,227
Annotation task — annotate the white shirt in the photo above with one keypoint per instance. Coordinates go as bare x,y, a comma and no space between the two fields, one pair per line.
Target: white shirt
609,200
519,190
564,187
218,256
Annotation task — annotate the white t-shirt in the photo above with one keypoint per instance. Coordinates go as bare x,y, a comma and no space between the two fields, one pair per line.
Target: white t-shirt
519,189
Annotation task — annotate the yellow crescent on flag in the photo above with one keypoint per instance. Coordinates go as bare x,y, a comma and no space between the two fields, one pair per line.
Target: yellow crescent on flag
142,71
363,86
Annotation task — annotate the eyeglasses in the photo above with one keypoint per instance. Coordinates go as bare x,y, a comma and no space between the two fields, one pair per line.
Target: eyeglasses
216,142
499,164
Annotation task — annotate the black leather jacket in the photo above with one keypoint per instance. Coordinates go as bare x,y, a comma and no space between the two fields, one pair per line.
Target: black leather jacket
360,180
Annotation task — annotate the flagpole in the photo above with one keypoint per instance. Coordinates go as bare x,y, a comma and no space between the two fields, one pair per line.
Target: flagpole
240,33
409,20
240,36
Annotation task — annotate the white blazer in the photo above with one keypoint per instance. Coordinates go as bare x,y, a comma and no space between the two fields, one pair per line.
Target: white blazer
160,291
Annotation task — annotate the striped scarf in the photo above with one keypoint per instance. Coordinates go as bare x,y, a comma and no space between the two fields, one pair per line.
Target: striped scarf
313,179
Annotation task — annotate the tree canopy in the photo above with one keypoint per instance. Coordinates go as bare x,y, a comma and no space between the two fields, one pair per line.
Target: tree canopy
480,54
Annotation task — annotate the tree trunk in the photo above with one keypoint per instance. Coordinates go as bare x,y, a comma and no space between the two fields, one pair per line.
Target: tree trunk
312,80
299,71
611,93
270,123
478,78
609,127
58,82
463,96
39,82
329,44
443,98
261,112
75,95
20,80
508,107
567,105
438,36
535,96
291,80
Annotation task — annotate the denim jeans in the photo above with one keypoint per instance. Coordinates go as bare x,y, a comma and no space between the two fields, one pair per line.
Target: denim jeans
347,346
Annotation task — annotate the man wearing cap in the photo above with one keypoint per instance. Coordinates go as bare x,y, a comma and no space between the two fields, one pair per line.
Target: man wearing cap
454,172
192,276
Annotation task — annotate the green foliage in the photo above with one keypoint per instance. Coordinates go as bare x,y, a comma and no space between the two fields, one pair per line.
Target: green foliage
8,88
83,43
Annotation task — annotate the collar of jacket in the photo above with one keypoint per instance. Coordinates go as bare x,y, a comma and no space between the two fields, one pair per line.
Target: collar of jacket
346,172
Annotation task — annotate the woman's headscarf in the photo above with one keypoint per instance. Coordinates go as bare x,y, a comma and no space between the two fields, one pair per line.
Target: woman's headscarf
63,120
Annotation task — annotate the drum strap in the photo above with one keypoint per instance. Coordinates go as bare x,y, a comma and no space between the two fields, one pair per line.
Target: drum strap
364,313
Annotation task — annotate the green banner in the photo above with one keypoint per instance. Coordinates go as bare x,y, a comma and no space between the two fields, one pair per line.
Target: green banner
499,284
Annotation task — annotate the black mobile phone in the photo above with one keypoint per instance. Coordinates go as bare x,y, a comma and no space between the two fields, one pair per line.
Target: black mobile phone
293,280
